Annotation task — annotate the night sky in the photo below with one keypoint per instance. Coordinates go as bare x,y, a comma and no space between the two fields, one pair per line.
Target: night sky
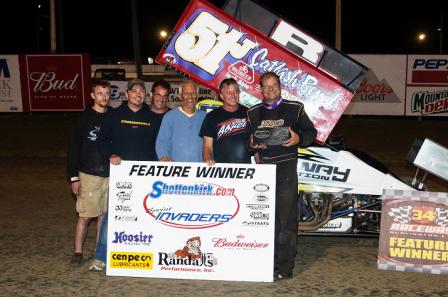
103,28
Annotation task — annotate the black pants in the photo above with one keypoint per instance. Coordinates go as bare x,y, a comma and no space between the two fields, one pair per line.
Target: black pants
286,217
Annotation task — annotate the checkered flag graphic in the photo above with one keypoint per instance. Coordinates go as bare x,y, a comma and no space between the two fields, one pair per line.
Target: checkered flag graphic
401,214
441,217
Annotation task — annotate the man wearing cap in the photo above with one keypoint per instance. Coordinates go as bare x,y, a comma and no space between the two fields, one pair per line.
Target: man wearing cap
129,133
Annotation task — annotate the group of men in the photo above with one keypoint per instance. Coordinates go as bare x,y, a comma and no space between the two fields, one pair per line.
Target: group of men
136,131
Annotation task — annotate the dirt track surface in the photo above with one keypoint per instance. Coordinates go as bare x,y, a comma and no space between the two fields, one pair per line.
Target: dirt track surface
37,221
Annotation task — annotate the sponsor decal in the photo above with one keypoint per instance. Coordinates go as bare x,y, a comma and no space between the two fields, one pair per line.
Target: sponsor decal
425,219
123,208
261,188
374,90
158,204
132,239
131,260
124,196
261,198
323,172
126,218
429,102
259,215
123,185
255,223
430,71
337,225
55,82
231,127
239,244
257,206
190,258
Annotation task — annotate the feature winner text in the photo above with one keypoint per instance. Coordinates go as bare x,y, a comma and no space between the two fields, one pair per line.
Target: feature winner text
184,171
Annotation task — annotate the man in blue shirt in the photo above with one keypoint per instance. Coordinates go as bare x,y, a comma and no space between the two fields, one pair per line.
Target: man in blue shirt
178,138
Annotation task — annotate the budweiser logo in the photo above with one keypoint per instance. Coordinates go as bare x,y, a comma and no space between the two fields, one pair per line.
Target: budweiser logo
239,243
46,82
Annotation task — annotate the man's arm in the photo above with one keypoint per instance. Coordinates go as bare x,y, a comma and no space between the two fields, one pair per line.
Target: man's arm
105,137
73,158
207,150
306,130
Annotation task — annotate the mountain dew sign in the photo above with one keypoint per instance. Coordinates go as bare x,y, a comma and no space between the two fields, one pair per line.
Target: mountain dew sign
209,46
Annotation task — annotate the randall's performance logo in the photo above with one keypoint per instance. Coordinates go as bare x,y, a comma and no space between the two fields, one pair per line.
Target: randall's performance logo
430,102
189,258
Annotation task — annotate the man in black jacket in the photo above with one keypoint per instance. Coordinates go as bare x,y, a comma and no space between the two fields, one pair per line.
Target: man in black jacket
129,133
292,127
87,170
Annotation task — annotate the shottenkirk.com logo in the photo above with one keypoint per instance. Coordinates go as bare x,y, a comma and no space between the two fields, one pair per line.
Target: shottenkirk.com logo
191,206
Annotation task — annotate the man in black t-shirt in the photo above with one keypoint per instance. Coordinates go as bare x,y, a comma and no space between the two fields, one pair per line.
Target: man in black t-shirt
224,129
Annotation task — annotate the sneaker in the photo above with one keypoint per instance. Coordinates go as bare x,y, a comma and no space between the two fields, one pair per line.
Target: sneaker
76,259
279,276
97,265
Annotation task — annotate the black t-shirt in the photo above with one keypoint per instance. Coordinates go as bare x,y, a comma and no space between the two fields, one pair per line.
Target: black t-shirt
158,116
228,130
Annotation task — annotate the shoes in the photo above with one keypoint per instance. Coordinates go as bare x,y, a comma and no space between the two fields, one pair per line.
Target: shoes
97,265
278,276
76,259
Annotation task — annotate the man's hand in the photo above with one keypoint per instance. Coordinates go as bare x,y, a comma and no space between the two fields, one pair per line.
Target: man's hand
210,162
165,159
254,146
115,159
76,187
293,140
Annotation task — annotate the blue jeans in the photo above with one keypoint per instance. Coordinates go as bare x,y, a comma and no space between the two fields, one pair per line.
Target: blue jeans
101,247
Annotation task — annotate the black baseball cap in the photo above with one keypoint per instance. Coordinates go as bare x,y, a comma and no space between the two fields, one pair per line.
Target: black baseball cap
135,82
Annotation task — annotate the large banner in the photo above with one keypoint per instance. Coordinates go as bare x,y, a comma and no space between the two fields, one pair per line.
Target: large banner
10,92
210,46
414,232
191,221
55,82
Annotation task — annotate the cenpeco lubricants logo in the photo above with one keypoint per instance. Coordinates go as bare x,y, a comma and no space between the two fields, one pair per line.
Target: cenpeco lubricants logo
131,260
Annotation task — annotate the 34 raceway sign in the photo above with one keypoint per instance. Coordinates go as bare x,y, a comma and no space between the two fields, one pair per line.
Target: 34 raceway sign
209,46
191,221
